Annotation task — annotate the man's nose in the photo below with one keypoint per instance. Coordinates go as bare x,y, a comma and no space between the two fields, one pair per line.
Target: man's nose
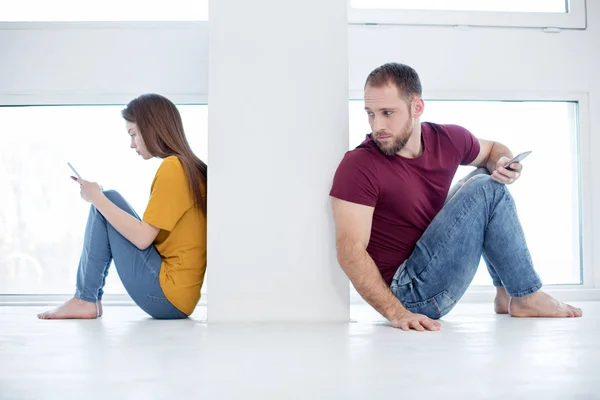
378,124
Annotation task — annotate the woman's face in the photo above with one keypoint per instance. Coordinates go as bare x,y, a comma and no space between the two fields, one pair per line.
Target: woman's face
137,142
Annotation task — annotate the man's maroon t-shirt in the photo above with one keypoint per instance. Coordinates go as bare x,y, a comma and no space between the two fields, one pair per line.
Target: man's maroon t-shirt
406,193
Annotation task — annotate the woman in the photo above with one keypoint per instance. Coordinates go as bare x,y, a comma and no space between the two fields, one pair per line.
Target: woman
161,259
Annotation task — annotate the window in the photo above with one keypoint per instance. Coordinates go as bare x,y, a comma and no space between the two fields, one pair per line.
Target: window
42,216
108,10
566,14
547,197
552,6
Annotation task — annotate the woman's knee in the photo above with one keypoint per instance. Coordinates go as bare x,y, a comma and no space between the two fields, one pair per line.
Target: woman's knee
117,199
112,194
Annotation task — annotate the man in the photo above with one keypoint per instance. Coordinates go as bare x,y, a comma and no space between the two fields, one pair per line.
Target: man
410,251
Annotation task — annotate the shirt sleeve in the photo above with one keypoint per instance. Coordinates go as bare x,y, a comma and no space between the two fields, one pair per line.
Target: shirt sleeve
356,179
170,196
465,143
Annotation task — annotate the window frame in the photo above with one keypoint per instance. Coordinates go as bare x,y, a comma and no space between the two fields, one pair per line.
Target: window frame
74,100
90,99
575,18
203,8
588,290
93,25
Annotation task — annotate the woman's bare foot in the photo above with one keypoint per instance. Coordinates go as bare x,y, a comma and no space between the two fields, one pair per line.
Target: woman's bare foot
501,301
72,309
541,304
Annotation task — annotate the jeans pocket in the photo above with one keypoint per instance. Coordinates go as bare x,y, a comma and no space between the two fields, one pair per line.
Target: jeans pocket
435,307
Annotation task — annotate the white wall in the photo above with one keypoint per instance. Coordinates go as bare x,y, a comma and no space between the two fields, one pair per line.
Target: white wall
484,59
102,62
278,126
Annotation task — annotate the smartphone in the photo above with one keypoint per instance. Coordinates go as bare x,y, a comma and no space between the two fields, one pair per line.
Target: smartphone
517,159
73,169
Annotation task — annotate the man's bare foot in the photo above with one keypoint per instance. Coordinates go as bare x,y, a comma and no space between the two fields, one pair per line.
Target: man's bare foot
541,304
72,309
501,301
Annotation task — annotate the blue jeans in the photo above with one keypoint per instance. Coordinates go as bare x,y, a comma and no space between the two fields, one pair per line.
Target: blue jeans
138,269
480,218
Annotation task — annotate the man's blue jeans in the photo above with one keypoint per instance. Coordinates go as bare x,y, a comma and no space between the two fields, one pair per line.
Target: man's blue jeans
478,219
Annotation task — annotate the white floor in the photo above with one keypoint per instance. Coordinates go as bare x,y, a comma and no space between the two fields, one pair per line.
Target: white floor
125,355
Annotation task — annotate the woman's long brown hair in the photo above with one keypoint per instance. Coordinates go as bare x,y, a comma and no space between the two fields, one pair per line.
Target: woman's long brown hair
159,122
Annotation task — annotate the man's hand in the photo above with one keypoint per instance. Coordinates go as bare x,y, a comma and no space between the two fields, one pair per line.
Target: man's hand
90,191
505,176
407,321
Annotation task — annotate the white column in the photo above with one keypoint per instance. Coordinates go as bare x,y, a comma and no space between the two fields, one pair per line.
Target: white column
278,127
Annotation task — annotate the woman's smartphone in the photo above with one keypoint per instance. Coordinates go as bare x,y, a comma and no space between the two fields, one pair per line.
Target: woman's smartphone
517,159
73,169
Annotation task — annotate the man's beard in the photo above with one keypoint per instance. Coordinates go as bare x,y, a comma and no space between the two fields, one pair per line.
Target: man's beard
398,141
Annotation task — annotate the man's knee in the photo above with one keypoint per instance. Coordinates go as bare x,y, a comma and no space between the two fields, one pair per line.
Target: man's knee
479,184
479,181
476,172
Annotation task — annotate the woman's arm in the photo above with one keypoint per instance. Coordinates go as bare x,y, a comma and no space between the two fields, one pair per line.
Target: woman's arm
140,233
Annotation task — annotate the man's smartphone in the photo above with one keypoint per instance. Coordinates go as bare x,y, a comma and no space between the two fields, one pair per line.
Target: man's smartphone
517,159
74,171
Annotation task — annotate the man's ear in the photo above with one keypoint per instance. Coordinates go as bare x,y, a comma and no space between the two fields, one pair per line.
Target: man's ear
418,106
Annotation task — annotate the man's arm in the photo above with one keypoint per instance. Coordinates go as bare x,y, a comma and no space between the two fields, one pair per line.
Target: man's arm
489,154
493,156
353,229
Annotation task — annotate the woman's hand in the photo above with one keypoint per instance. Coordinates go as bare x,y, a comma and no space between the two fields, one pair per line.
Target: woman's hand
90,191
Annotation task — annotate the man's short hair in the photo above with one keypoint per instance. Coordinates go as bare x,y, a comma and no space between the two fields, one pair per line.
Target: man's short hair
402,76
